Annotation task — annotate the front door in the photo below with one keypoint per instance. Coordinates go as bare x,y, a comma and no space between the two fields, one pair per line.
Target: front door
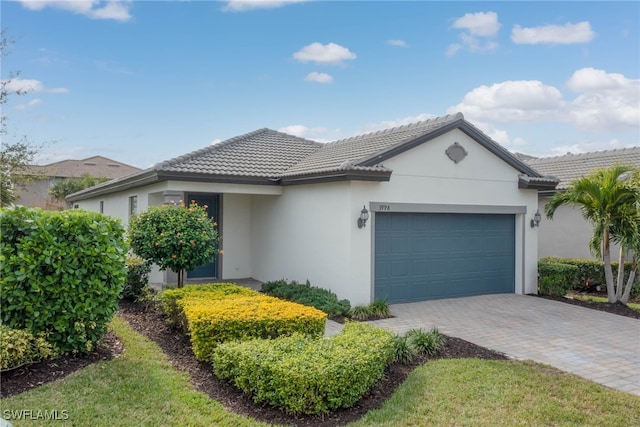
212,201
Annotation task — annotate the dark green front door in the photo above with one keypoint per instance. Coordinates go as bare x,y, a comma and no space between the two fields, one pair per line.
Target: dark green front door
422,256
212,201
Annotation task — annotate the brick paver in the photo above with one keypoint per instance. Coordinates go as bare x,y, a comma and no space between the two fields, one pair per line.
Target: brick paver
599,346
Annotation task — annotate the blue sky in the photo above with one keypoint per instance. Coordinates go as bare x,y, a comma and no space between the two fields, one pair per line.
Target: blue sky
145,81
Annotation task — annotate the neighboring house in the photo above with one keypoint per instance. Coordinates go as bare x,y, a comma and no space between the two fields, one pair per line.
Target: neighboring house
35,192
430,210
568,234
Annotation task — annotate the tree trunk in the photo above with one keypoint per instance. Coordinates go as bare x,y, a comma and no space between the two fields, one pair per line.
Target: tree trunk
180,278
620,280
608,273
630,280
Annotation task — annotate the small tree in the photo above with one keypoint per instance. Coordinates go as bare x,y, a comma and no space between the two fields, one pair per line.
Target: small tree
174,236
64,187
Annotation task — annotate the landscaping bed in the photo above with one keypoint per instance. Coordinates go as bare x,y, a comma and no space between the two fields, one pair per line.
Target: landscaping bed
178,349
617,308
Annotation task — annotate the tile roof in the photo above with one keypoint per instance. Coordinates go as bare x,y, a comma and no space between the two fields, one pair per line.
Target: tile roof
352,153
263,153
266,156
573,166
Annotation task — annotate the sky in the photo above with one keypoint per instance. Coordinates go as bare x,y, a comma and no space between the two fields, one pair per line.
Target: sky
145,81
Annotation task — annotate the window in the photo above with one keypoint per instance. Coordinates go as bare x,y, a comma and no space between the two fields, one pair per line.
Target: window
133,205
101,206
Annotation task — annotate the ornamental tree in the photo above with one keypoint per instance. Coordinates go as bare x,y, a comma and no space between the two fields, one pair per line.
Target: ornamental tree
175,237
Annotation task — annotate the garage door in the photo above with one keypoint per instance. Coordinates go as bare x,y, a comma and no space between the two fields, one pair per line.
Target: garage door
421,256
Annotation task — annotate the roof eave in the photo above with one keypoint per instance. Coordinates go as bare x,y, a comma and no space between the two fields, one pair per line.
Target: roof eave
144,178
546,184
342,175
220,178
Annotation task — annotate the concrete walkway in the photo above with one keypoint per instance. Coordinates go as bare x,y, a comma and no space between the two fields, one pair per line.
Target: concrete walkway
599,346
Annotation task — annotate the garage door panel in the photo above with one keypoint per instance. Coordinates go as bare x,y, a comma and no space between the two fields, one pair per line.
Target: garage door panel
430,256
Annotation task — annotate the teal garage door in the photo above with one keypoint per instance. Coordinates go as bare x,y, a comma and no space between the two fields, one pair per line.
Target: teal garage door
420,256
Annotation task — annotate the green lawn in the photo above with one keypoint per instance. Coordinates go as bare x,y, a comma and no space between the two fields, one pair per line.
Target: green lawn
141,389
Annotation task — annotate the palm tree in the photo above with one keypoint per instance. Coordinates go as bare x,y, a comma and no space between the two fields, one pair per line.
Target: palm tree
608,199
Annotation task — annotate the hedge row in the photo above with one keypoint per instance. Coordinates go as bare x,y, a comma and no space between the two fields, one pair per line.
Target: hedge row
322,299
590,271
61,274
303,375
217,313
555,278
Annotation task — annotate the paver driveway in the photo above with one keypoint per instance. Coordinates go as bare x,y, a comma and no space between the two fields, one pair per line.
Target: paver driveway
596,345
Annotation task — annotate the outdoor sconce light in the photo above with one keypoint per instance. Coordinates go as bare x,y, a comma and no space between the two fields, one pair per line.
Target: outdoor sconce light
535,222
364,216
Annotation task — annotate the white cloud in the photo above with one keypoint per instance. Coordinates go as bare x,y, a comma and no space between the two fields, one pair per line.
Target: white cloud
330,53
388,124
29,104
605,101
553,34
483,24
319,134
18,85
243,5
319,77
117,10
478,29
398,43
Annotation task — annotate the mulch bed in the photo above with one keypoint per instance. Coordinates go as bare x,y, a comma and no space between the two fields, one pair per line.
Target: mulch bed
178,349
617,308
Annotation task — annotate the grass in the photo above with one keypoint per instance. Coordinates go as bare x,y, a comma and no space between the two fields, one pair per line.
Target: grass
140,388
594,298
473,392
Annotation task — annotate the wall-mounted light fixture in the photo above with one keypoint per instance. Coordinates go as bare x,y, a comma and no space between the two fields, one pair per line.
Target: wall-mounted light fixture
364,216
535,221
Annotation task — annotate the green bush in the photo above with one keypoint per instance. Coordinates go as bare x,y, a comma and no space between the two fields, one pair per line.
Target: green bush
61,274
555,279
306,294
303,375
423,342
19,347
402,351
137,278
374,311
591,271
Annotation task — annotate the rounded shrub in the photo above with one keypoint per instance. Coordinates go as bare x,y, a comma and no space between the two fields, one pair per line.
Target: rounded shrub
19,347
137,278
61,274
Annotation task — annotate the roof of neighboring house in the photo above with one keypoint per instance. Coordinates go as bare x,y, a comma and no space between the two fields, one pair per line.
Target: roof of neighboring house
572,166
269,157
97,166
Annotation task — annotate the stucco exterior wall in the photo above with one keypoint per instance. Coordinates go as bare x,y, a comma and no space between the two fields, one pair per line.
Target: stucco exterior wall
236,241
567,235
304,234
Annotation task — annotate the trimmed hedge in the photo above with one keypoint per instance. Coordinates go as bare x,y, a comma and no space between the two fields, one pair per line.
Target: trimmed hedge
591,271
554,278
61,274
169,298
303,375
322,299
19,347
217,313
